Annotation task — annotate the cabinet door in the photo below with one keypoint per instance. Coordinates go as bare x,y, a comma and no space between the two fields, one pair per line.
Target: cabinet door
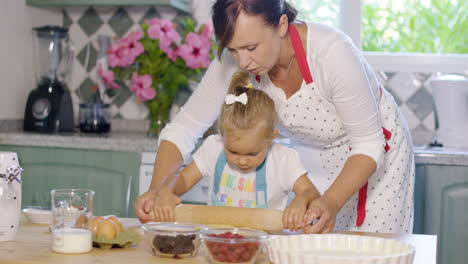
446,200
418,226
112,175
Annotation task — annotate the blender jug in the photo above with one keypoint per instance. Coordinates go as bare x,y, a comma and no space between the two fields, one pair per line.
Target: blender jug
53,54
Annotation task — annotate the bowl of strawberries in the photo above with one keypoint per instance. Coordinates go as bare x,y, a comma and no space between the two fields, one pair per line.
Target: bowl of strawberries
233,245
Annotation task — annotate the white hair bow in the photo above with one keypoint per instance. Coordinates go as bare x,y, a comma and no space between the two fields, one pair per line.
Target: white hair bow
230,99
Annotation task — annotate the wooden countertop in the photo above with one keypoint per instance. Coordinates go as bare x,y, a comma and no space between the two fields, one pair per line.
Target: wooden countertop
32,246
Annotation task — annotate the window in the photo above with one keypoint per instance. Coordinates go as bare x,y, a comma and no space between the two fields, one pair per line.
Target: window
400,35
424,26
325,11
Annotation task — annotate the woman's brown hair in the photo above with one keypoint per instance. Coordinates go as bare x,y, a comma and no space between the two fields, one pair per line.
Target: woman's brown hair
225,13
259,111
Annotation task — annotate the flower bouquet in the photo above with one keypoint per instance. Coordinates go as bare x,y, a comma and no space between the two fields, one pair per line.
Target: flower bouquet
156,60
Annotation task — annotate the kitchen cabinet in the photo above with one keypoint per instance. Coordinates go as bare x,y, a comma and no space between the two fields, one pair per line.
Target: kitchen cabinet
198,194
441,209
112,175
182,5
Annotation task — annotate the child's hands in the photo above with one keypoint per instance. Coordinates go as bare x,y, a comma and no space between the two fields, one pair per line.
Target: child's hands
164,205
293,216
325,211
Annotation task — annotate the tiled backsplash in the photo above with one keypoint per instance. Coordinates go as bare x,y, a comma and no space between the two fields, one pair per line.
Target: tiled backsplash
411,90
85,25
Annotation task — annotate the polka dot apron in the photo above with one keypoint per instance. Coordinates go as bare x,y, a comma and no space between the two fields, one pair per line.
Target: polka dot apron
385,203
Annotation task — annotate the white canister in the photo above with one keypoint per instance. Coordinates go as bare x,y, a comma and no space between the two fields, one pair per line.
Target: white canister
450,94
10,195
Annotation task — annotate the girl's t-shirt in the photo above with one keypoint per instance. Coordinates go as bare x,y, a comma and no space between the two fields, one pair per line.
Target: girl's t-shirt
237,189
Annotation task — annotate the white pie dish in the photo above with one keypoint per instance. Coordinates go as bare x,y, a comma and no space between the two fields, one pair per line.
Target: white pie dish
38,216
338,248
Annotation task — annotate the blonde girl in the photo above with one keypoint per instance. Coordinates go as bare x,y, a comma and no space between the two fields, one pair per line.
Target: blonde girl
247,168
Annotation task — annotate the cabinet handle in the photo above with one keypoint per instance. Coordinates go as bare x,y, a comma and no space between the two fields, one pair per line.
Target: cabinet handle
129,188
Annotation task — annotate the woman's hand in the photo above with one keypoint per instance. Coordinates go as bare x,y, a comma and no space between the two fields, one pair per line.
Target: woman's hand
325,211
164,205
293,216
144,204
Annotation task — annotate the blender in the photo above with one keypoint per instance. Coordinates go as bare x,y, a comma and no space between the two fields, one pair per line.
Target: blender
49,106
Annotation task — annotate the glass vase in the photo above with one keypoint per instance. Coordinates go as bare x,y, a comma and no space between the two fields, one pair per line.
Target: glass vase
156,125
158,118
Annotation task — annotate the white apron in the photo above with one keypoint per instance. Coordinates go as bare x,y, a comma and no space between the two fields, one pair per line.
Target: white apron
311,122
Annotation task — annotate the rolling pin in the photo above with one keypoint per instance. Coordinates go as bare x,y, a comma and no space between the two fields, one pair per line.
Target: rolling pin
256,218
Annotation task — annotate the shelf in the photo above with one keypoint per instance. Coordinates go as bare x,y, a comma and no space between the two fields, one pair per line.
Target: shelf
182,5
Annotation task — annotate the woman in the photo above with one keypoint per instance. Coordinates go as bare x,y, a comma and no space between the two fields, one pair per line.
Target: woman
344,124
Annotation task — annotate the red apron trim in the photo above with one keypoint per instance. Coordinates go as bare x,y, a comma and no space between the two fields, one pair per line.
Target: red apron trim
300,54
362,198
361,207
387,133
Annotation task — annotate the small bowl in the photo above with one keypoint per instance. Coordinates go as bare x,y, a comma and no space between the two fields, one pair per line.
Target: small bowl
233,245
172,239
38,216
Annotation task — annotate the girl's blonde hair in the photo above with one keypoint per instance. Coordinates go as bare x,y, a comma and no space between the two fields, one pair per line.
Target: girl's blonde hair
259,111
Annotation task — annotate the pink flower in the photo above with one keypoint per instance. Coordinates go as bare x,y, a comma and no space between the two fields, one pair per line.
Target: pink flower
141,86
207,30
195,52
120,55
133,43
107,77
207,33
164,30
172,54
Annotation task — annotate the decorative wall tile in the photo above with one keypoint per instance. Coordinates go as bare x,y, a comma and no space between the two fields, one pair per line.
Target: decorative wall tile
120,22
151,13
412,120
90,21
429,121
66,20
84,91
87,57
421,103
402,85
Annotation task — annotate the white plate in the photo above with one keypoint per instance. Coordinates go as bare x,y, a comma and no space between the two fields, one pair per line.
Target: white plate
338,248
37,216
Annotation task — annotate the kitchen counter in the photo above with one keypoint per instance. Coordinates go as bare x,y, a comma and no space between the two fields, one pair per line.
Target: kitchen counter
114,141
139,141
32,246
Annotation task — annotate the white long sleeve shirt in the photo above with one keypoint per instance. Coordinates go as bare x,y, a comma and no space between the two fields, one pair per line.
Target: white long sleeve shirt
339,71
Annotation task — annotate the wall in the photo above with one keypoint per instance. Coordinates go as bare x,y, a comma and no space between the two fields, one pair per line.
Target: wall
16,67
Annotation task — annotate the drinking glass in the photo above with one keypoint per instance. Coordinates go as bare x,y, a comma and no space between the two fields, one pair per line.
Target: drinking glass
72,211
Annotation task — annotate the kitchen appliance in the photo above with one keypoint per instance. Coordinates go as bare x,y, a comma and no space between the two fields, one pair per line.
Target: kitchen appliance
49,106
450,93
10,195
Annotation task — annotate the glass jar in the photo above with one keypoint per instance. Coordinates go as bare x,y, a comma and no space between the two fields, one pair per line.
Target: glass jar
95,117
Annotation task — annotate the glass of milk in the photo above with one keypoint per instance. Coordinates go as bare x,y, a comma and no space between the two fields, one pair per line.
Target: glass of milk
72,211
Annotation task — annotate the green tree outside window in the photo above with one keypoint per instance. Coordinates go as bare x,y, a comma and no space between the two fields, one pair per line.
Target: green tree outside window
422,26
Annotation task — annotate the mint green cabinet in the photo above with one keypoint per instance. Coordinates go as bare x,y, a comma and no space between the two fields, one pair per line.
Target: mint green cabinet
445,209
112,175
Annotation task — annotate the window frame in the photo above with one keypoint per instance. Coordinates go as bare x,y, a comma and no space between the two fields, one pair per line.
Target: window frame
350,18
